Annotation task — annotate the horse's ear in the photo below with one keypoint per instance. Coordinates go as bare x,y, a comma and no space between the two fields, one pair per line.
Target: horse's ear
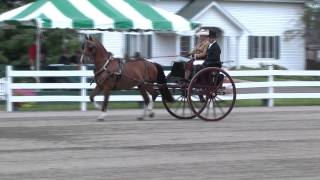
90,38
86,36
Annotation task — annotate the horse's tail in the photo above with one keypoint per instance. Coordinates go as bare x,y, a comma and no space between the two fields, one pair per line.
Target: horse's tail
163,88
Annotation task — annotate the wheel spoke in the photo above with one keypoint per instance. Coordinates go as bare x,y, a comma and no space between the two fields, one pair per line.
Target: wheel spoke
179,104
208,107
221,105
184,106
179,108
221,101
218,105
214,109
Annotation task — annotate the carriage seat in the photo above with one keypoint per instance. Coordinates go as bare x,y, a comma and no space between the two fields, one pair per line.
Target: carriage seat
178,69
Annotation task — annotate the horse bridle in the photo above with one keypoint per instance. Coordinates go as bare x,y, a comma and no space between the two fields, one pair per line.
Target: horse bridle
84,47
103,68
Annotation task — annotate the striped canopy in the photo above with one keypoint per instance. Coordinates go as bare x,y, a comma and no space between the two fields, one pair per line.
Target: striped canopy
94,14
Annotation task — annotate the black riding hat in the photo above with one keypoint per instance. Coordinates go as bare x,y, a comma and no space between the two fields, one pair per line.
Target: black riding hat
212,34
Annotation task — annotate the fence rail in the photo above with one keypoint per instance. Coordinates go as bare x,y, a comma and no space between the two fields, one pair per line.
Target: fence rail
84,86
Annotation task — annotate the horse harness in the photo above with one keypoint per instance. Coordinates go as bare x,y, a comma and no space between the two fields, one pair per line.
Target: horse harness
117,74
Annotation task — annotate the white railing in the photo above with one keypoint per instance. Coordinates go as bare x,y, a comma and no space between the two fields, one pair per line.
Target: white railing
271,84
83,98
2,88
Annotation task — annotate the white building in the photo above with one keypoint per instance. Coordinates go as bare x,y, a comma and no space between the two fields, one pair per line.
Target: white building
252,32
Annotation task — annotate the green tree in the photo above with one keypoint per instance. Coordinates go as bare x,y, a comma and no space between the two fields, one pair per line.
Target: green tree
15,42
56,40
14,45
312,20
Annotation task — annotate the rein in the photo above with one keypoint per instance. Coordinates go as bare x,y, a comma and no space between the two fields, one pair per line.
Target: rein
104,67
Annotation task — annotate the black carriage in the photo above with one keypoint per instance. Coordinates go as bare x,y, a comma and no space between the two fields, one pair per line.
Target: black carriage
209,94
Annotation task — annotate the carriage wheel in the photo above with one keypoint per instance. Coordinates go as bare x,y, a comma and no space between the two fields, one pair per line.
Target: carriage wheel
180,108
218,93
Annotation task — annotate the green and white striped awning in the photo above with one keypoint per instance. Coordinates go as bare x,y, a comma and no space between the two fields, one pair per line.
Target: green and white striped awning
94,14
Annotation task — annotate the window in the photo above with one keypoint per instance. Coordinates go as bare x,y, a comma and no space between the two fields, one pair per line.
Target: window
185,42
138,43
264,47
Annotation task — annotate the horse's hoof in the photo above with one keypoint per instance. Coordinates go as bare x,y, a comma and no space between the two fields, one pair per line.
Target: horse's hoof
151,115
140,118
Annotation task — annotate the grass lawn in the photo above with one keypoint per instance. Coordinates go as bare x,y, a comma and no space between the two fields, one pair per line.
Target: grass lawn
71,106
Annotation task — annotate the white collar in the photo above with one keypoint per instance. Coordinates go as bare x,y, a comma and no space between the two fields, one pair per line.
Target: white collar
212,43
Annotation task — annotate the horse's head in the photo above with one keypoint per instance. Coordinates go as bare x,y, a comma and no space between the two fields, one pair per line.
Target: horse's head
89,48
95,52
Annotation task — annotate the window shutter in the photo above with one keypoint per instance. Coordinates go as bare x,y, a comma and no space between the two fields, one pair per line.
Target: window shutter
271,47
127,47
149,46
249,48
277,47
185,45
263,46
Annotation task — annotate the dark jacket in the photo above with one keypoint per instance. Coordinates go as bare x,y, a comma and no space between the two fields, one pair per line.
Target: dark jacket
213,56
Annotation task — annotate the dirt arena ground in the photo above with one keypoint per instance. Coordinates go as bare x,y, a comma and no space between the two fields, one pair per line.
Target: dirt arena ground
251,143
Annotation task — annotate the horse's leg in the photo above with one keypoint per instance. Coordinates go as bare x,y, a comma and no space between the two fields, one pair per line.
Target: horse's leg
151,93
146,102
104,105
95,92
150,107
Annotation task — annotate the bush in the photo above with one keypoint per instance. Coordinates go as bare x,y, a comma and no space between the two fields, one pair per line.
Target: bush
3,58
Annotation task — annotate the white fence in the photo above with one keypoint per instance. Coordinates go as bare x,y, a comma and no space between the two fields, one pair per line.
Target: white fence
2,88
83,98
271,84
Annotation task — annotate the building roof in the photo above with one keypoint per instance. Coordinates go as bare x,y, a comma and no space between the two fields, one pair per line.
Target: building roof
195,6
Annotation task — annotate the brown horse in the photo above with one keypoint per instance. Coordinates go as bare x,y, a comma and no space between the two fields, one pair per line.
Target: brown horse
113,74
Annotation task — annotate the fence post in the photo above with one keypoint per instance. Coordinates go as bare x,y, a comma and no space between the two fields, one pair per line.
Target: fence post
83,89
270,89
8,89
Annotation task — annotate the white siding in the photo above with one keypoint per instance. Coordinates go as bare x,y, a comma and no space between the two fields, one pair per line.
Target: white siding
232,50
214,18
168,5
293,53
114,42
164,44
270,19
265,18
259,19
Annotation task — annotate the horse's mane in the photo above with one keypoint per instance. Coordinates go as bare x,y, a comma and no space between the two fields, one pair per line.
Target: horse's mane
102,47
